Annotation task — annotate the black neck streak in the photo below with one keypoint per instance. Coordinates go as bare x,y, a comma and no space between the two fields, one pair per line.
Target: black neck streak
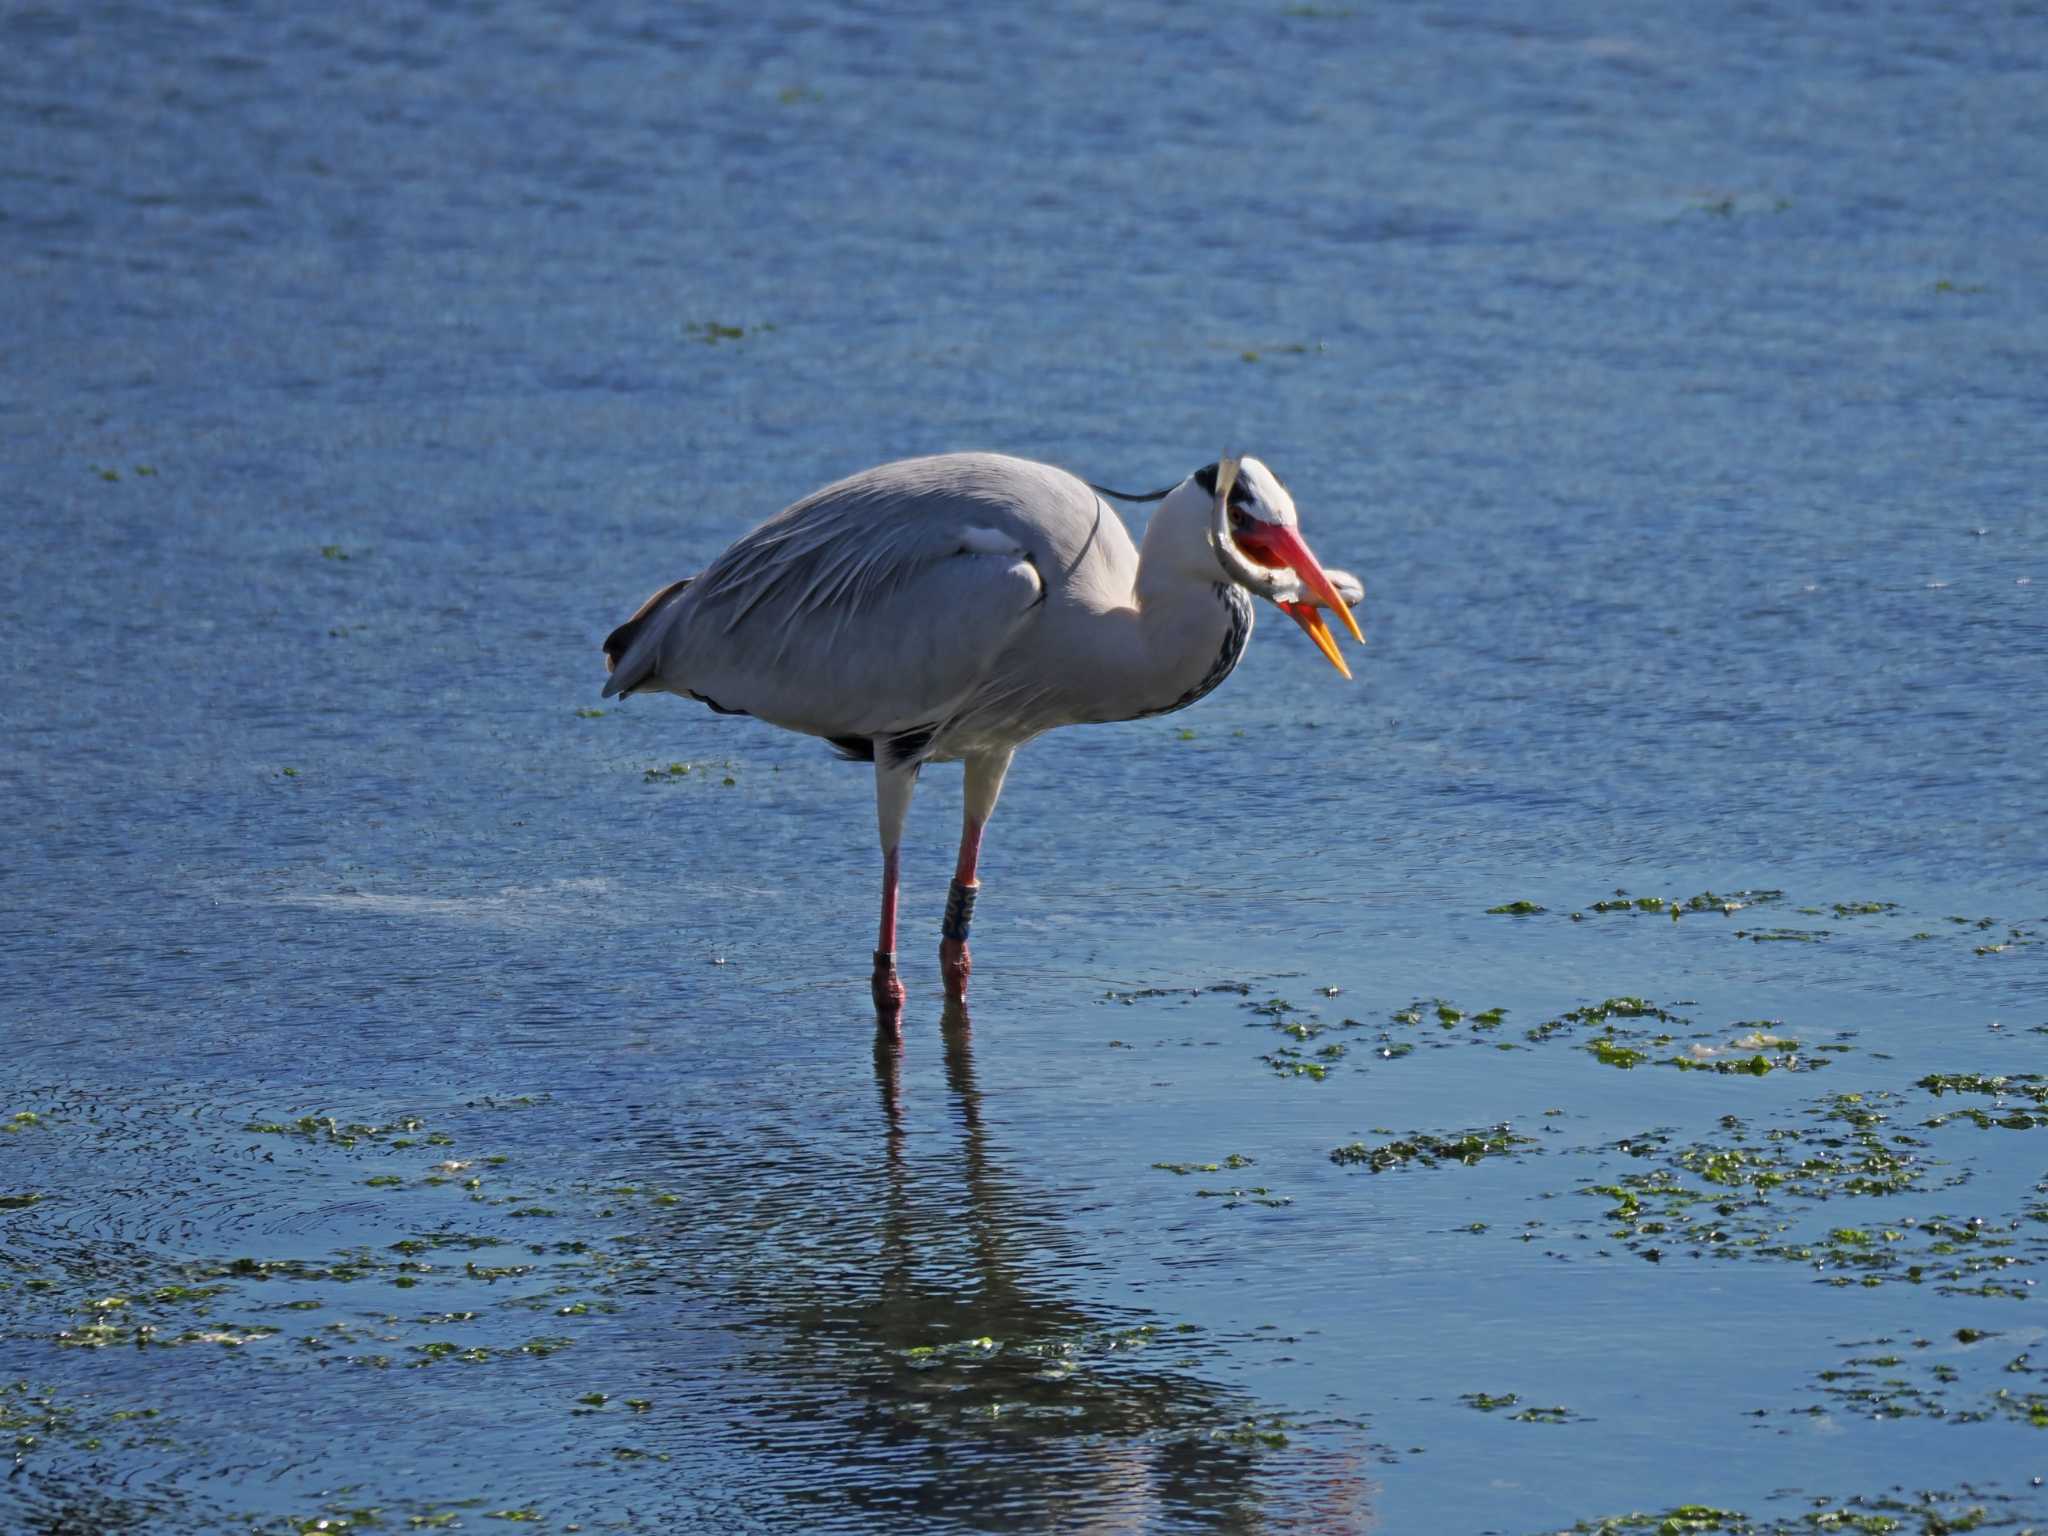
1227,657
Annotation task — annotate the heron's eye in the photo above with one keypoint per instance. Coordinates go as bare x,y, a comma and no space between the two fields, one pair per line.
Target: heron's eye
1240,520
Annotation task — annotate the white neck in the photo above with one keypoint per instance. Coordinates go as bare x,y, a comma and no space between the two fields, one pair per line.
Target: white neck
1180,626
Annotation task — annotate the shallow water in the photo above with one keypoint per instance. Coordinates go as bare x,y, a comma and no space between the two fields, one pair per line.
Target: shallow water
1674,381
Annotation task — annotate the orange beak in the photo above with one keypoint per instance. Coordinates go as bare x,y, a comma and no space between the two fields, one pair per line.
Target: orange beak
1310,618
1273,545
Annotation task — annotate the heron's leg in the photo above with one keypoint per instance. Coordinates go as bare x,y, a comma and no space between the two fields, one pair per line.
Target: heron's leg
984,783
893,788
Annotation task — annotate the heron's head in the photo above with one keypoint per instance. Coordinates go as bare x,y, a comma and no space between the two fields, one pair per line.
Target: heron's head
1257,499
1235,518
1258,543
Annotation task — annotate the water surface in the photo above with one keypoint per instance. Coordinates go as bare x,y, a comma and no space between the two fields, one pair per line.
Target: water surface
423,1103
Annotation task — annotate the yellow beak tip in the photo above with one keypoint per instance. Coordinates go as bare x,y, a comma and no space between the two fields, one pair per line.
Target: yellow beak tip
1311,620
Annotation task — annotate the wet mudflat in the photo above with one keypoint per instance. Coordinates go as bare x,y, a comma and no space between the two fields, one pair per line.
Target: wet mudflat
1589,1073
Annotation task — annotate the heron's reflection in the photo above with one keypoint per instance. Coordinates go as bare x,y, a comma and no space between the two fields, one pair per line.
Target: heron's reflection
918,1340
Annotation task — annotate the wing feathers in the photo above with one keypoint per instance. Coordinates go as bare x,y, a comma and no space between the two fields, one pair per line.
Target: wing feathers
886,604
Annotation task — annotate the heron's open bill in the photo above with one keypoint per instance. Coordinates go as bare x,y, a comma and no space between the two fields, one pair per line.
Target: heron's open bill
1277,546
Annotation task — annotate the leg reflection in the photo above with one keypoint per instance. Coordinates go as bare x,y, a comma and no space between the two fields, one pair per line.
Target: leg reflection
956,1031
889,1076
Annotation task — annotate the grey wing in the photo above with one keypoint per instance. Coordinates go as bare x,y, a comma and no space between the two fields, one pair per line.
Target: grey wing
859,612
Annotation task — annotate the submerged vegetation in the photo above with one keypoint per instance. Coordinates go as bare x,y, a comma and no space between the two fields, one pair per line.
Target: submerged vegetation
1920,1512
725,771
1880,1184
1892,925
1668,1138
1428,1151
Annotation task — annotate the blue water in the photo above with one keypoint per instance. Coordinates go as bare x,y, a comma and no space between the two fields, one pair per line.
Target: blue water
1677,382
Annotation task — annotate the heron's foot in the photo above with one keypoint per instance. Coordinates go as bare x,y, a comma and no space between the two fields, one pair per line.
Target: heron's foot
956,965
888,986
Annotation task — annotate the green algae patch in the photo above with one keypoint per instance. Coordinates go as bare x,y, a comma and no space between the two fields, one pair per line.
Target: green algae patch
1290,1062
1487,1402
147,1335
1301,1058
1432,1023
1868,1165
1985,1120
1919,1379
1554,1414
677,772
1610,1052
1725,903
2029,1087
428,1242
1775,1193
1864,918
1915,1512
1745,1066
1293,1020
442,1349
1234,1160
1677,1521
2026,1084
1430,1151
1447,1015
1636,1032
1601,1013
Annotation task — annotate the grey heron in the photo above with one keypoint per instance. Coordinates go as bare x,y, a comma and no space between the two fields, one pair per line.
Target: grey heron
954,607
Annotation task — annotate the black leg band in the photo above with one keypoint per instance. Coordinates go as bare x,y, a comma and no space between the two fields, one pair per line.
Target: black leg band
885,960
959,912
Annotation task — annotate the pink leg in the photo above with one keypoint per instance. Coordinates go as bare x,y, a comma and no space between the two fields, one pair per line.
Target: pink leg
888,986
984,782
893,788
954,961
